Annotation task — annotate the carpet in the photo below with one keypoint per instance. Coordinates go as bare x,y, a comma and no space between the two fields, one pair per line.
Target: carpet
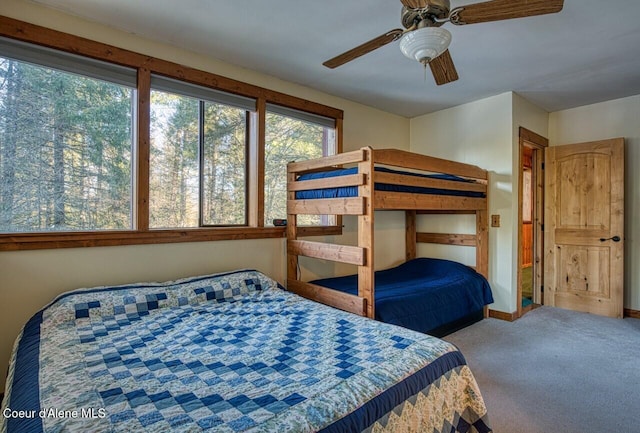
556,370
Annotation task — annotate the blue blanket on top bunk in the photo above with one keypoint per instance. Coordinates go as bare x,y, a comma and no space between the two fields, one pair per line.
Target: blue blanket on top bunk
352,191
422,294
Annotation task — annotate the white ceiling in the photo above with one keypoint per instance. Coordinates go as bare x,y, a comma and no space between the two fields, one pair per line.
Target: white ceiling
589,52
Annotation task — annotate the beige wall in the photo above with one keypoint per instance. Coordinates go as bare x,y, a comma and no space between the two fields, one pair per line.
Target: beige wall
478,133
611,119
30,279
484,133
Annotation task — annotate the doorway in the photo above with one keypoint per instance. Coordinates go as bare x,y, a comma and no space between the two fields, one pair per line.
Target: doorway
530,292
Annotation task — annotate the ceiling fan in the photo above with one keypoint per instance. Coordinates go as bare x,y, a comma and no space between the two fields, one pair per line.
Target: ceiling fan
424,40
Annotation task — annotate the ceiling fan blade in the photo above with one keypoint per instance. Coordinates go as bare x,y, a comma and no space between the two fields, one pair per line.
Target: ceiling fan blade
414,4
443,69
363,49
497,10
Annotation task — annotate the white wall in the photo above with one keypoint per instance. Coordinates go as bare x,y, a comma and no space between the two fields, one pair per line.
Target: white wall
611,119
483,133
478,133
30,279
535,119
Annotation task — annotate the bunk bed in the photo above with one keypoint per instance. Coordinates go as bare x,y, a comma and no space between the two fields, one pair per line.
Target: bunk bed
391,179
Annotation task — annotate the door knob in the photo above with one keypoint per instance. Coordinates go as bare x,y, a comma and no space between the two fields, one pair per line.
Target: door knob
614,239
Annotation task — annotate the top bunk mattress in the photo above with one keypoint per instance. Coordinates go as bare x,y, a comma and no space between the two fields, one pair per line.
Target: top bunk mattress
352,191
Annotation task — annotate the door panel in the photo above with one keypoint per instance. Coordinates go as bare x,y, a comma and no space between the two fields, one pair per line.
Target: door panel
581,194
583,271
584,209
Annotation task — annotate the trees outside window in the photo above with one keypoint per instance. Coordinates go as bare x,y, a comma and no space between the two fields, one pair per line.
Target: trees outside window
65,151
290,139
104,146
198,163
173,167
224,165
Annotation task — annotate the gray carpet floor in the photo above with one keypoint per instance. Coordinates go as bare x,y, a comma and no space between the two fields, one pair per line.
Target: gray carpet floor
555,370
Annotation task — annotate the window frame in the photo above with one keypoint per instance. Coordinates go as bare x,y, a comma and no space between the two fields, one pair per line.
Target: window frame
145,66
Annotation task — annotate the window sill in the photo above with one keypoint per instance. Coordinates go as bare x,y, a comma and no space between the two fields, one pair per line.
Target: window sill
39,241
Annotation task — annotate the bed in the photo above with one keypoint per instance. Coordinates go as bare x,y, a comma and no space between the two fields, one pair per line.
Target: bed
433,296
384,179
230,352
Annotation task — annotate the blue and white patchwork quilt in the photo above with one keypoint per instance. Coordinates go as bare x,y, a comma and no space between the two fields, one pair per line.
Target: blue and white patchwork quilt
229,353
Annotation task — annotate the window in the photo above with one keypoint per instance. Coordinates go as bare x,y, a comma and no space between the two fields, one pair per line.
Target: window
65,142
292,135
173,172
224,165
119,148
198,169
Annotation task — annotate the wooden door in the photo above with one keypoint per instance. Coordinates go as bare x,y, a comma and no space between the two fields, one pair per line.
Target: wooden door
584,227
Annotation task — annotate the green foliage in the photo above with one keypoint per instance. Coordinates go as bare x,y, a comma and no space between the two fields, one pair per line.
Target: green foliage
224,169
173,181
65,151
287,140
175,184
66,156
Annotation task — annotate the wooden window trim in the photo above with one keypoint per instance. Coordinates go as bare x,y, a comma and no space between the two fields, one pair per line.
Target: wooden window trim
142,150
145,66
38,35
36,241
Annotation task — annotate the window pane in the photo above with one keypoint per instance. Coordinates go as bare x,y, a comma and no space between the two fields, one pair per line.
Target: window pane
173,172
174,196
289,139
65,151
224,177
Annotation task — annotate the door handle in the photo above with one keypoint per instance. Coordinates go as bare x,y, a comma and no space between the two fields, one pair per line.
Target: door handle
614,239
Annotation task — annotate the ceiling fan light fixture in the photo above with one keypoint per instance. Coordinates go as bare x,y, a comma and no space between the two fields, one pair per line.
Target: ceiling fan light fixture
425,44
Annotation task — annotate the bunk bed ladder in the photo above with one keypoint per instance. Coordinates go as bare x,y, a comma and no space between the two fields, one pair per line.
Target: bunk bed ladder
366,271
360,255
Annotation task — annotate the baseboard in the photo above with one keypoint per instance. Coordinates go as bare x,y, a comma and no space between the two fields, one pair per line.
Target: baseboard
501,315
510,317
634,314
526,309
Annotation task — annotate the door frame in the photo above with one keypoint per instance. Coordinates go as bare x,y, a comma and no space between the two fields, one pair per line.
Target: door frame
538,144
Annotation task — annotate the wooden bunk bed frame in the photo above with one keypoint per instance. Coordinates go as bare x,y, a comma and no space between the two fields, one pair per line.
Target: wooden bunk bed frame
369,200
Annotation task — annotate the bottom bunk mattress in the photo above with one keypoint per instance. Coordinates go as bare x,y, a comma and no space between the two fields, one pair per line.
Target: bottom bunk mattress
229,353
433,296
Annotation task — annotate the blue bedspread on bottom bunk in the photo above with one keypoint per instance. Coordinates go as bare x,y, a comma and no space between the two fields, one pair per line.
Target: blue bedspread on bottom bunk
422,294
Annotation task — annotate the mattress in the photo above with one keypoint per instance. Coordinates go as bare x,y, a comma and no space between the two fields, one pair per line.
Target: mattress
422,294
229,353
352,191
